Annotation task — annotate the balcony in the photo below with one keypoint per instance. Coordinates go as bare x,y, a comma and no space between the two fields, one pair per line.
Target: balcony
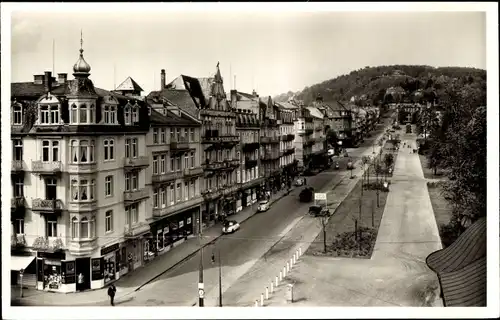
166,177
136,230
179,206
82,247
232,163
179,145
17,208
308,143
318,129
17,202
17,166
287,137
82,167
46,205
309,131
289,150
250,163
193,172
268,156
82,206
130,197
51,167
135,163
220,139
213,165
269,140
248,147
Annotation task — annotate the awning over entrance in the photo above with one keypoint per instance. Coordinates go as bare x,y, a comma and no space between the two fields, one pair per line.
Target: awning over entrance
20,262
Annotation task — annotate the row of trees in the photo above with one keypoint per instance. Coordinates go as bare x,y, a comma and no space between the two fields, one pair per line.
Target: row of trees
457,145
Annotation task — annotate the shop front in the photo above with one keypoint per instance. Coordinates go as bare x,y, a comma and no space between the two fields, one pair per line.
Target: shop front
170,231
50,270
111,266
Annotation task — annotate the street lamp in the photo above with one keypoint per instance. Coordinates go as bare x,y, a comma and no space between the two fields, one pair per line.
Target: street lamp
201,288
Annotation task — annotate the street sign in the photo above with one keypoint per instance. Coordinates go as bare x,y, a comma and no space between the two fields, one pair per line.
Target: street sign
320,196
201,293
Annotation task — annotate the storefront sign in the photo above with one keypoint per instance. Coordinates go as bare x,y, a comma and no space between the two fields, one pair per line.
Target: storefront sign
52,262
68,271
181,224
188,220
52,255
97,268
109,249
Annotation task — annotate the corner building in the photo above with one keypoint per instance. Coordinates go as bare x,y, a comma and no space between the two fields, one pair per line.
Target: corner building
79,196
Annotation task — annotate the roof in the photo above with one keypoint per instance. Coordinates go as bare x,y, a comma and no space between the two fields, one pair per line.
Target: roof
180,98
170,119
461,268
247,96
286,105
129,85
315,112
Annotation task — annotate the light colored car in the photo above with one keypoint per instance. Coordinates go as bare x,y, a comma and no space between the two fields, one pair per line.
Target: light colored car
263,206
230,227
299,182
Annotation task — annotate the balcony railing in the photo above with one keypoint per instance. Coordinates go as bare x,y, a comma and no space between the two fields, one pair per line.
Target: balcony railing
136,229
309,131
290,150
46,167
17,165
79,247
266,140
47,205
165,177
250,163
250,146
318,129
221,139
179,144
287,137
232,162
214,165
179,206
135,195
135,163
190,172
269,156
308,143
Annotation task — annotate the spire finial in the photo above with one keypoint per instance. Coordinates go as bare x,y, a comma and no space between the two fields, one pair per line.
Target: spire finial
217,64
81,39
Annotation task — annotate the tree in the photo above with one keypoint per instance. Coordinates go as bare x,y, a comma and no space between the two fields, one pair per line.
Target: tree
388,160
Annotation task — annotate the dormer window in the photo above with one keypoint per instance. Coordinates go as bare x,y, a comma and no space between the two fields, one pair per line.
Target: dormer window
49,114
109,114
82,114
126,115
135,114
17,116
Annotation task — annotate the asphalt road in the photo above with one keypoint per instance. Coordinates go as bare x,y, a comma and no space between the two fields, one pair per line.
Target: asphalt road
238,251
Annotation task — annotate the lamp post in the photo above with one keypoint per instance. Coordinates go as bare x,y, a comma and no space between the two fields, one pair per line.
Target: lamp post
220,282
201,288
21,272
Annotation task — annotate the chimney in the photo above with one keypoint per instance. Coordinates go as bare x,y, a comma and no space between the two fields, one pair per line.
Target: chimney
62,77
234,99
38,79
163,79
254,93
47,81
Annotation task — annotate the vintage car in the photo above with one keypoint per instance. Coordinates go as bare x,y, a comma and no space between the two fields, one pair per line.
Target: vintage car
318,211
306,195
263,206
230,226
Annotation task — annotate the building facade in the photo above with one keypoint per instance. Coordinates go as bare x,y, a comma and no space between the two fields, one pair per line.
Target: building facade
303,142
248,175
270,144
288,165
75,146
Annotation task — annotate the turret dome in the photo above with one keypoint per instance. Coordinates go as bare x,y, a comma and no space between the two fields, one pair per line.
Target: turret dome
81,66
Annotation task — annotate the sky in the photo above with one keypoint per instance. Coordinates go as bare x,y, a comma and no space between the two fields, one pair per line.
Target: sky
271,52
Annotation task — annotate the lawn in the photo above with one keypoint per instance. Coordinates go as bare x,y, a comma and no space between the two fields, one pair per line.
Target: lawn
343,222
429,173
442,213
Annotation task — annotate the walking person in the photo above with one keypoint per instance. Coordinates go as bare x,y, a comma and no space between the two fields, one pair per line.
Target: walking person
111,294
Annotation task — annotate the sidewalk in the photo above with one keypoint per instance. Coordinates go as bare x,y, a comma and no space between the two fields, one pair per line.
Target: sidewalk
136,280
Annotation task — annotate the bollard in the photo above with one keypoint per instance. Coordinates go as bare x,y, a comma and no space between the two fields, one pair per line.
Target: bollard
276,281
297,254
261,299
267,293
288,267
300,251
281,276
294,259
256,303
291,263
272,287
284,272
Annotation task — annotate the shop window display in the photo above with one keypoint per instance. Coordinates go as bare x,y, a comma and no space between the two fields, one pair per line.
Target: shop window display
110,267
52,276
189,226
174,231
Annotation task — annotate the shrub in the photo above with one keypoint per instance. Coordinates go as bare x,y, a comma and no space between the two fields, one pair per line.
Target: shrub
345,244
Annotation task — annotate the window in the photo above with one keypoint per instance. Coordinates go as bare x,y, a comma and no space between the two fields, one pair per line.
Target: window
18,149
155,164
49,114
163,198
50,150
19,226
155,135
186,161
131,214
134,148
84,228
109,149
178,192
192,160
191,132
172,163
191,187
186,191
135,115
163,163
82,151
162,135
110,114
131,181
108,221
18,186
131,148
74,227
172,194
18,114
82,189
178,134
172,135
186,133
126,115
179,164
83,113
51,228
155,198
108,186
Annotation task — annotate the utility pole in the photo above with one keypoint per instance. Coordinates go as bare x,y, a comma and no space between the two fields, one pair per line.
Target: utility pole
201,288
220,281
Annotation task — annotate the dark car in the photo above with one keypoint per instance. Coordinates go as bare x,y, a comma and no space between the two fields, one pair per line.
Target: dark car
318,211
306,195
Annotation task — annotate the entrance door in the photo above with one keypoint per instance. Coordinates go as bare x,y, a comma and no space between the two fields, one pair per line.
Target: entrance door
83,268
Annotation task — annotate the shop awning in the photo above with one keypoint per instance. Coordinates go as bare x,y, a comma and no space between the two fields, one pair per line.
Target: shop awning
20,262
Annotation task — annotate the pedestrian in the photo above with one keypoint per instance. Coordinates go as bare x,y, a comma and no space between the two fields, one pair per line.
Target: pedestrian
80,281
111,294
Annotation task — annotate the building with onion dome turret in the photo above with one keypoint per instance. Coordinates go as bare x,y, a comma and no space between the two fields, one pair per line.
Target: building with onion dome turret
78,208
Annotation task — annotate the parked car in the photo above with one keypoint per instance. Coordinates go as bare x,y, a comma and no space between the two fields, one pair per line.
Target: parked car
299,182
306,195
318,211
263,206
230,226
336,166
